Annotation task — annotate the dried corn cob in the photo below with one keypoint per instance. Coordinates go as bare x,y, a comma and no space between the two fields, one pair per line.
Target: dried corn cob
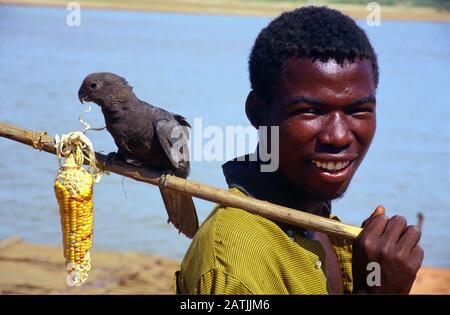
74,191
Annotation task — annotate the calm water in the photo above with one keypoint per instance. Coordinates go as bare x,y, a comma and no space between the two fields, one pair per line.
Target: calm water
197,66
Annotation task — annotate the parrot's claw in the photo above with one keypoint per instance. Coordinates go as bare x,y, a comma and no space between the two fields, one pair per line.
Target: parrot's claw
110,158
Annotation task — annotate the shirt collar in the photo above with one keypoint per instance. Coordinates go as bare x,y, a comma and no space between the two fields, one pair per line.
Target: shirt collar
244,173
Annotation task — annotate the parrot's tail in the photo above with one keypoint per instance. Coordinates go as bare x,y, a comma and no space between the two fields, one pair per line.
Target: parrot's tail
181,211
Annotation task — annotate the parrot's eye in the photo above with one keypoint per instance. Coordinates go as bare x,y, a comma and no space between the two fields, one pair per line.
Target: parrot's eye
93,85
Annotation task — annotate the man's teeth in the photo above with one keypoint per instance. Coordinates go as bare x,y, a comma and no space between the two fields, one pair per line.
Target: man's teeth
331,166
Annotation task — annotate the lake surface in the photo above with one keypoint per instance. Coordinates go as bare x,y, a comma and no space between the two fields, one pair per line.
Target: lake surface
196,65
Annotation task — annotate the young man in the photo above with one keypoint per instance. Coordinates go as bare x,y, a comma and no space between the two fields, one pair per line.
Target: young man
314,75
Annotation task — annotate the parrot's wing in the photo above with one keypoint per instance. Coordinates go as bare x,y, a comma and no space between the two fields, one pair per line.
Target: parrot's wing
180,207
174,140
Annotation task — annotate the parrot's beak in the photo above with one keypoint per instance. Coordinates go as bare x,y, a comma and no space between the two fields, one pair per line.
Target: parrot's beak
82,95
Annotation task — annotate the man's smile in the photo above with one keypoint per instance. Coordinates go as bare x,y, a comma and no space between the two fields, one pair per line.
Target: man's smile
333,170
331,166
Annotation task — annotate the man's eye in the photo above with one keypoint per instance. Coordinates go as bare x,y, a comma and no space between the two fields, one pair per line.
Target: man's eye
311,111
360,110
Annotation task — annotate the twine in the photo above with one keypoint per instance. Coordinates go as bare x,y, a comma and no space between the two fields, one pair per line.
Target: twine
36,139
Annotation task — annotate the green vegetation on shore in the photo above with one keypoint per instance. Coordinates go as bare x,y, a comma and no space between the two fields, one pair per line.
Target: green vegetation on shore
357,9
439,4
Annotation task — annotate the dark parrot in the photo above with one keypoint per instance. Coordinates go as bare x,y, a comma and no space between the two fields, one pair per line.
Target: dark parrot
145,135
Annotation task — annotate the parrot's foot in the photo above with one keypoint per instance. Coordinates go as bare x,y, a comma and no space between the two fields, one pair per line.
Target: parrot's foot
168,172
111,158
134,162
118,157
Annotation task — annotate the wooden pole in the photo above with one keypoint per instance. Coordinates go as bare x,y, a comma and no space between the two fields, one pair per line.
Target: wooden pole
42,141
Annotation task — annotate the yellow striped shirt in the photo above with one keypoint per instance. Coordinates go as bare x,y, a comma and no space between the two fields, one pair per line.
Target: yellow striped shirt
236,252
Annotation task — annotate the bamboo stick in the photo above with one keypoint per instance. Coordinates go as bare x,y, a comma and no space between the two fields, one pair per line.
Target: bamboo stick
41,140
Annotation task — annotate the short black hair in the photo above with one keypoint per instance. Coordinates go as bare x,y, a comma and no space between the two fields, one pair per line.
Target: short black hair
317,33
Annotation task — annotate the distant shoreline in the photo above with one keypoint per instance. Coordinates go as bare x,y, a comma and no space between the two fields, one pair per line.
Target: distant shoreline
223,7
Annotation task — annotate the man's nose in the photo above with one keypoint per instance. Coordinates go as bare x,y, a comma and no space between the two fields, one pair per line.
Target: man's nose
336,132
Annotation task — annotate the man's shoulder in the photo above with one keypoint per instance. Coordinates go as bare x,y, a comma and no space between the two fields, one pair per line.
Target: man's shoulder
225,248
230,224
230,229
227,243
234,224
237,251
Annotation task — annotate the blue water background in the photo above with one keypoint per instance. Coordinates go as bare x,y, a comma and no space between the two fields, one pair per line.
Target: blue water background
196,65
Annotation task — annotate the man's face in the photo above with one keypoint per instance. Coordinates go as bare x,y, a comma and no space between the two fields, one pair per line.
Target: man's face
326,116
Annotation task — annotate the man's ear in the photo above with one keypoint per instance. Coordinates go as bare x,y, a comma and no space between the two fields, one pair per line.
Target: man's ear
255,108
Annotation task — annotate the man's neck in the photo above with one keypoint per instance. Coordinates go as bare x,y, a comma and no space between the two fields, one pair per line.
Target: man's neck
313,206
247,176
